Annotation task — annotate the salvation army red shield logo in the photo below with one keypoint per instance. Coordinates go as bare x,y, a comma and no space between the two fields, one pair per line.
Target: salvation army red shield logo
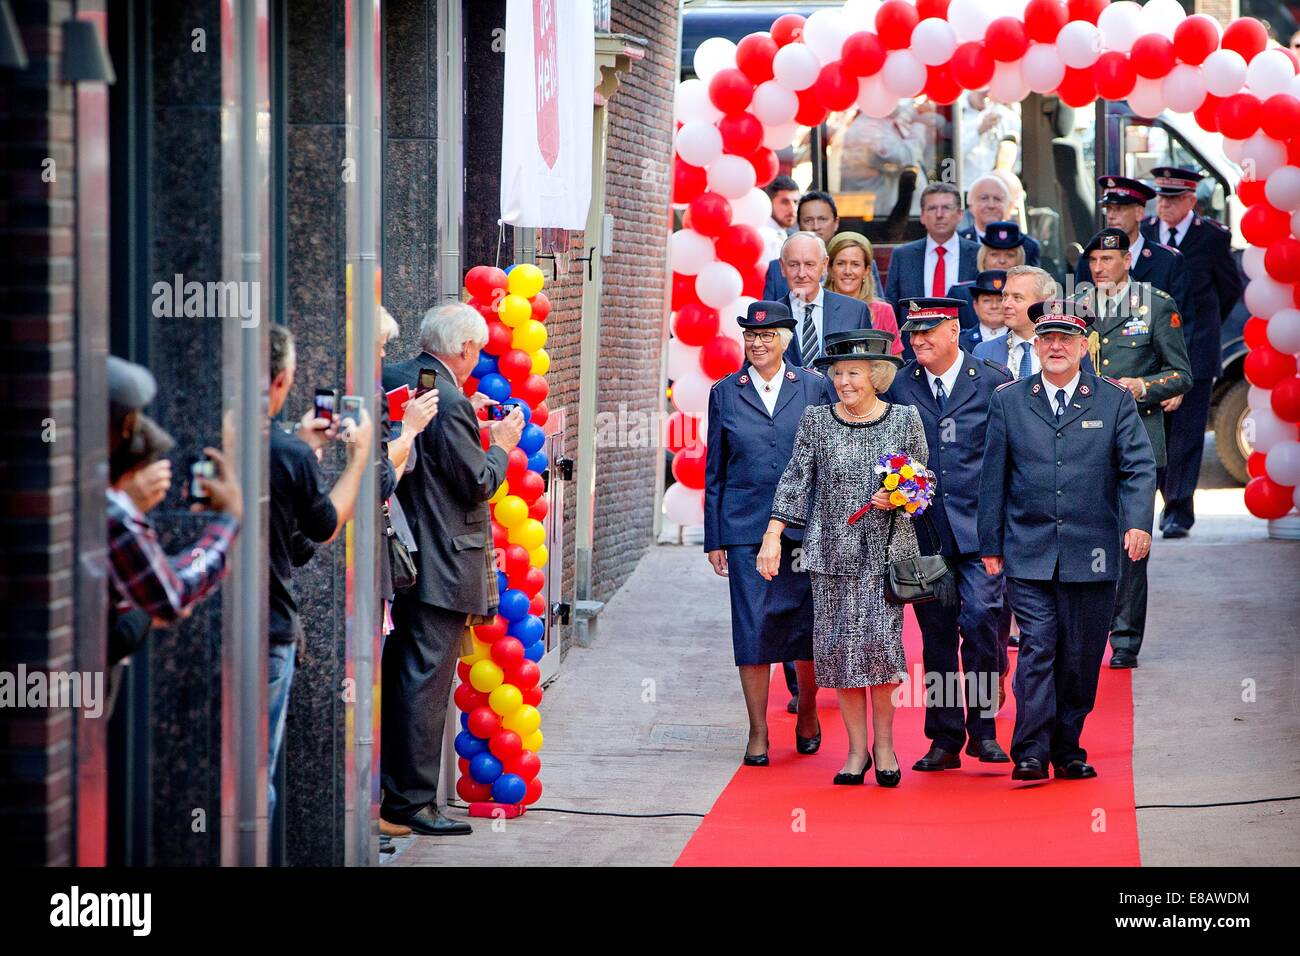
546,67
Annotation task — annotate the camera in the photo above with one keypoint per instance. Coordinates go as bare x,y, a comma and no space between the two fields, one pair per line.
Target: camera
502,409
200,469
428,380
326,403
352,409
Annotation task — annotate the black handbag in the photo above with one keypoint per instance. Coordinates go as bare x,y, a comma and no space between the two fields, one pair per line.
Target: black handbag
400,563
920,579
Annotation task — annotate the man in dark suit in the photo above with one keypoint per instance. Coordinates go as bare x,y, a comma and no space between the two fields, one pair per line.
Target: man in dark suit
1066,494
445,502
1214,287
817,311
951,391
989,202
816,214
929,267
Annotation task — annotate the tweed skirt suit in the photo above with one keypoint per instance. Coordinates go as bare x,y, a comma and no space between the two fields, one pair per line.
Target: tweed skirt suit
857,635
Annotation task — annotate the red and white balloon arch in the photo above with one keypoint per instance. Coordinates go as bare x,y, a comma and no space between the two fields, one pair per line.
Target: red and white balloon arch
749,98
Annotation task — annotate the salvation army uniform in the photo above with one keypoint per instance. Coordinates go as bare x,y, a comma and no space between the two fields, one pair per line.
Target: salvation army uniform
1033,251
1066,472
988,282
954,411
748,449
1214,288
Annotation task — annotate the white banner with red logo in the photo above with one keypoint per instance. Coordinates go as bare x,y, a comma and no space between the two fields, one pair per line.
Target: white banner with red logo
546,135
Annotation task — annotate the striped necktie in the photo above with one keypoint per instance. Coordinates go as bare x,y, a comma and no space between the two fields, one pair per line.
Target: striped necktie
811,347
1026,362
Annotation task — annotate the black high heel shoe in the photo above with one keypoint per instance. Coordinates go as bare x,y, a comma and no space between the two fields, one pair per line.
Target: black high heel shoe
755,760
889,778
843,779
808,745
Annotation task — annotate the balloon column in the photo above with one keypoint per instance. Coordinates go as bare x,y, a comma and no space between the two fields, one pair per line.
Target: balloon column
748,99
500,682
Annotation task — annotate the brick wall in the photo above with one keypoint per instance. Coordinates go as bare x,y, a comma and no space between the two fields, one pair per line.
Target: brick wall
1222,10
37,325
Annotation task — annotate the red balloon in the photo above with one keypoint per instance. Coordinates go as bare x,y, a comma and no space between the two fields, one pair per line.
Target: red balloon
493,630
534,579
508,653
683,290
516,365
925,9
470,386
467,699
1153,56
526,764
754,282
1262,225
462,671
1088,10
1282,260
1255,332
1280,116
500,338
730,90
516,464
766,165
972,66
688,467
500,536
484,721
1266,499
754,57
1006,39
787,29
1265,366
1286,399
533,792
1255,464
1077,88
1114,75
533,390
530,487
1247,36
1196,38
537,606
462,765
695,324
836,88
1207,114
471,791
542,305
895,21
538,509
1250,191
526,675
863,54
710,214
481,281
506,745
940,87
742,133
1239,116
740,246
688,181
721,357
533,696
1044,19
682,431
515,563
481,414
484,438
540,414
811,110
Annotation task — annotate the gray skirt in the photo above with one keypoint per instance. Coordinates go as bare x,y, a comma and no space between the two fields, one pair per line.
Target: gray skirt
857,635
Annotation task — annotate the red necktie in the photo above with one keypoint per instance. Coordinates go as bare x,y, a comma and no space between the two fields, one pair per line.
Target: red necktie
939,287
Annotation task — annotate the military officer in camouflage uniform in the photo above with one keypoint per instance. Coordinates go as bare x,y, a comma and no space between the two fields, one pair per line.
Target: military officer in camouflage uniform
1137,341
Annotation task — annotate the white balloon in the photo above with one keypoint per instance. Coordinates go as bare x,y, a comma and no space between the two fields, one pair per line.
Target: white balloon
689,252
718,284
1008,84
874,99
773,104
1266,153
682,359
1269,73
1120,24
903,74
824,32
970,19
1252,262
933,41
691,392
728,315
699,143
1284,331
714,54
1147,98
1283,463
1042,68
1225,72
1294,87
795,66
731,176
1078,44
1295,498
1266,296
779,137
1282,188
1162,17
692,104
752,209
1257,397
682,505
1264,429
861,14
1184,88
1232,148
1295,224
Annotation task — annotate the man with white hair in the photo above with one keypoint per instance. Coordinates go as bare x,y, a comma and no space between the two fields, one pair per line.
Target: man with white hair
445,499
816,310
989,201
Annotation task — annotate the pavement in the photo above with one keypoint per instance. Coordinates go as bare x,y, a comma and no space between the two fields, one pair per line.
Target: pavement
645,728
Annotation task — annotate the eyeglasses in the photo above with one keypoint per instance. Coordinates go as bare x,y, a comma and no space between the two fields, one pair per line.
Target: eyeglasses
941,210
767,337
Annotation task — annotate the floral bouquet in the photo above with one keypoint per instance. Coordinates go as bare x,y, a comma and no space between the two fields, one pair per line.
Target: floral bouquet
909,483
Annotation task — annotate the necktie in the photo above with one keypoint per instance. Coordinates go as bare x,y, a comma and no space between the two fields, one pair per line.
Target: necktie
1026,362
939,285
1060,403
940,393
809,341
1173,238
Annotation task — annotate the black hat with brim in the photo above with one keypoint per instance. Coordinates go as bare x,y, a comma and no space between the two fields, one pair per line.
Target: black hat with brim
766,315
1174,180
1002,235
1124,191
921,313
859,345
1060,315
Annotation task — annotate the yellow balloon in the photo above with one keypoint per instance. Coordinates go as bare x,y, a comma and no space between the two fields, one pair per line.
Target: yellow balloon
501,492
526,280
533,741
530,533
511,511
515,310
538,556
486,676
524,720
541,362
506,699
530,336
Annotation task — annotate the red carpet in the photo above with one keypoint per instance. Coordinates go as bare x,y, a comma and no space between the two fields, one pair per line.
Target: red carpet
975,816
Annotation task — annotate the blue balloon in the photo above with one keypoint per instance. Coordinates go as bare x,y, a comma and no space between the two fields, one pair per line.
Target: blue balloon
535,650
494,386
509,268
503,583
469,746
530,629
509,788
513,605
464,721
523,407
487,365
484,768
538,462
532,439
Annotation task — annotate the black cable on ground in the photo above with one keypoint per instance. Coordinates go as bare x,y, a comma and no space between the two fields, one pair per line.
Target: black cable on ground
1197,806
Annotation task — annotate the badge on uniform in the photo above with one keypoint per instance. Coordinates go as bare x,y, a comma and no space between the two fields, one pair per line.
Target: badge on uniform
1084,390
1146,253
1036,388
1175,320
1135,326
790,375
744,380
1092,424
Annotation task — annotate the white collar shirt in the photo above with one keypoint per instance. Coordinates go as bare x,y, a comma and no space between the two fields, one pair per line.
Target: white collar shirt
1015,349
951,262
949,378
1069,387
768,388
